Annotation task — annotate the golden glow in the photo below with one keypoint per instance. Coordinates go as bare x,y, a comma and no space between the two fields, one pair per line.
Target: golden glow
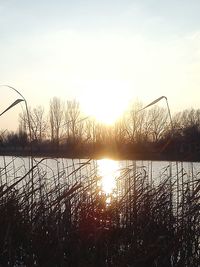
108,170
105,101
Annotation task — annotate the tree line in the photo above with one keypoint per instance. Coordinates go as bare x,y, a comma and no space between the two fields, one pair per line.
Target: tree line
66,131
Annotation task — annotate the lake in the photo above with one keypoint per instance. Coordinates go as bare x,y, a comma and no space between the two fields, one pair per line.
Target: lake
61,171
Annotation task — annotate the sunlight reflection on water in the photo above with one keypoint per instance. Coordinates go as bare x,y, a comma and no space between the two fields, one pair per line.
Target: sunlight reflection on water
109,171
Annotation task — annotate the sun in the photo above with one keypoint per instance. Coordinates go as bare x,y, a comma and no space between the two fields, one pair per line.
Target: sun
105,101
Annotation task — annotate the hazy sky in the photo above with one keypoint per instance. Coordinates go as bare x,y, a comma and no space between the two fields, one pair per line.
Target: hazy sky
75,49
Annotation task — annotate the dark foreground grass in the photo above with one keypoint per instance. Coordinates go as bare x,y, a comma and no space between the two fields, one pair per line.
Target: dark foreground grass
60,218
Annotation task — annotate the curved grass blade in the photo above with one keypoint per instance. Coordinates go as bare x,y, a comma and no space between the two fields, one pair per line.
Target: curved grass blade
154,102
12,105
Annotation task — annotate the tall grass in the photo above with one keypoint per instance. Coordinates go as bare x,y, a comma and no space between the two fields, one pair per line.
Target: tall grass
63,219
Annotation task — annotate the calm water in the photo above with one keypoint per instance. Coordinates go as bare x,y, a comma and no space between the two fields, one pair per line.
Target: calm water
70,170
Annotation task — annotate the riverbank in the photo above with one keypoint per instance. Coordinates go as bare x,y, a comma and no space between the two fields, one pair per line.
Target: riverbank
155,156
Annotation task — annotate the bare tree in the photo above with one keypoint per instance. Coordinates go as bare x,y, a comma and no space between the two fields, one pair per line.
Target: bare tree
90,130
73,121
187,118
187,124
56,119
38,123
136,123
120,131
157,121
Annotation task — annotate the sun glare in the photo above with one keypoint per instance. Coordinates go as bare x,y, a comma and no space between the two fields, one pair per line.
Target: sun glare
108,170
105,101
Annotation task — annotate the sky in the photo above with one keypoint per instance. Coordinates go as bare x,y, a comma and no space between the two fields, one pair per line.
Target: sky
103,53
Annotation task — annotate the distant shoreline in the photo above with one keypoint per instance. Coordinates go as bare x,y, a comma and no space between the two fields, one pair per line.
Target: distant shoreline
136,156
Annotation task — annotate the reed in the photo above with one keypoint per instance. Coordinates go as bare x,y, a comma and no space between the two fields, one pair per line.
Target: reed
61,218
